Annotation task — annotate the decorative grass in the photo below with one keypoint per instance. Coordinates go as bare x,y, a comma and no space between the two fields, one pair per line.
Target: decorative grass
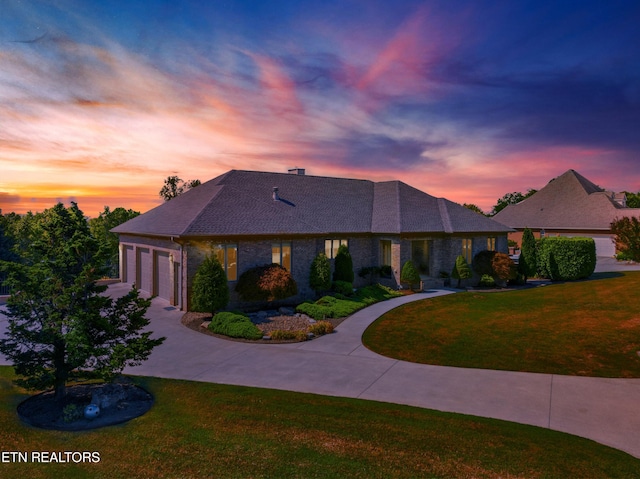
586,328
198,430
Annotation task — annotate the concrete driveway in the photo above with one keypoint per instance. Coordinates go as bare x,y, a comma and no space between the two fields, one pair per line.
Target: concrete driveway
605,410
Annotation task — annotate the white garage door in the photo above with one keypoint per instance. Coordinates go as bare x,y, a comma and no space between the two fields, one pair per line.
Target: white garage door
129,273
145,269
162,280
604,246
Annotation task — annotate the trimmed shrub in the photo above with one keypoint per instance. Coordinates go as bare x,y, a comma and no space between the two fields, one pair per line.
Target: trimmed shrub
343,265
528,262
320,274
342,287
461,270
269,282
482,263
210,290
409,274
234,325
567,259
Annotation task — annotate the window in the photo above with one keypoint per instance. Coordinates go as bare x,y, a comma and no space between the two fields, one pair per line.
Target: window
331,246
467,249
491,243
420,255
385,252
281,254
227,254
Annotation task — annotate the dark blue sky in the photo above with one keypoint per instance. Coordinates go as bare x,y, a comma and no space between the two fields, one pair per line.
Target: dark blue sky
101,100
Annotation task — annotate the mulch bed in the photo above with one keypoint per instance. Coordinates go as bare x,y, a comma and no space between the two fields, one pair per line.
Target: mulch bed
43,411
286,323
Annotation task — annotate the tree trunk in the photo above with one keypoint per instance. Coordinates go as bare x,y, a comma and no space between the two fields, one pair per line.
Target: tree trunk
60,370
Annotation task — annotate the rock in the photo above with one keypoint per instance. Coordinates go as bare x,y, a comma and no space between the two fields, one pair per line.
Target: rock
205,324
286,311
109,396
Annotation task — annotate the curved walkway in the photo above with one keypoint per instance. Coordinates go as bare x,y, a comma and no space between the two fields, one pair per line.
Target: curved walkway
605,410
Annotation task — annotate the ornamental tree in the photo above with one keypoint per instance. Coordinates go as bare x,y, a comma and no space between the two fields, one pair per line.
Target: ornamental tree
320,273
528,262
627,231
461,270
269,282
61,326
210,290
343,267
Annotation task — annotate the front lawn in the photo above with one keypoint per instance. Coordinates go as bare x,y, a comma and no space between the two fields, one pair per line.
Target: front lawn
198,430
586,328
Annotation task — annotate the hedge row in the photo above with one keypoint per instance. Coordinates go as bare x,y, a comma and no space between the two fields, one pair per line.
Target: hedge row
565,259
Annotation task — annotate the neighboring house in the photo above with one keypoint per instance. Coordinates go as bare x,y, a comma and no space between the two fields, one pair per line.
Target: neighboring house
569,205
251,218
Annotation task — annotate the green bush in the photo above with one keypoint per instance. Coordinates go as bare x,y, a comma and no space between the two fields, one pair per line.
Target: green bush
210,290
269,282
487,281
410,274
343,265
234,325
566,259
343,287
461,270
528,262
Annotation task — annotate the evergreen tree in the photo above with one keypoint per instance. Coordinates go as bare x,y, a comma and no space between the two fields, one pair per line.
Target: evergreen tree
461,270
210,290
343,265
528,262
61,327
100,228
320,273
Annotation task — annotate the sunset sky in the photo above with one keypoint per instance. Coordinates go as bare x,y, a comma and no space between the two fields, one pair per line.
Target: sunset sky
101,100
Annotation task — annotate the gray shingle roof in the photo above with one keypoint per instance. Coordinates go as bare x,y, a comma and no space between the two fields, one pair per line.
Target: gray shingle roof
569,201
241,203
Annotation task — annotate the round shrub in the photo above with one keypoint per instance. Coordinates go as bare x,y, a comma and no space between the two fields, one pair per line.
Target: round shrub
343,287
409,274
210,291
503,267
234,325
269,282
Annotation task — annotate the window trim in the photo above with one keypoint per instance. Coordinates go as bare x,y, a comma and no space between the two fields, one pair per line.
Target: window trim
281,245
225,247
467,249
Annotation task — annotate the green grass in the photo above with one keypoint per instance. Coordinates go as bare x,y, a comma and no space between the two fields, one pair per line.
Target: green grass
586,328
207,430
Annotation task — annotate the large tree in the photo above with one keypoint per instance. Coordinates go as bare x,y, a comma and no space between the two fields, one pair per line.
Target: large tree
175,186
627,232
61,326
101,230
511,199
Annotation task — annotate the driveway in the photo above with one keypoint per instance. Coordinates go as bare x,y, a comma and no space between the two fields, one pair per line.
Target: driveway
605,410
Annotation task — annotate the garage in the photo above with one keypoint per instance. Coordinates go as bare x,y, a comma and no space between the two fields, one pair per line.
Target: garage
604,246
129,261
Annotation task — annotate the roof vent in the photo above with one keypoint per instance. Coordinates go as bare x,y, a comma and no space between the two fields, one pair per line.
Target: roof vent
296,171
275,195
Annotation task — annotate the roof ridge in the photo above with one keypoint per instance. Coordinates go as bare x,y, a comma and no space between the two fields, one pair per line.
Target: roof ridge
444,215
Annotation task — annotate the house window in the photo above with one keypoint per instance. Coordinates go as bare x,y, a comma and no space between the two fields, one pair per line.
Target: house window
281,254
491,243
467,249
227,254
420,255
385,252
331,246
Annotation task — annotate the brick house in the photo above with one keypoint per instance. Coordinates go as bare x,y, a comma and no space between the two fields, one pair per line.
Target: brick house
251,218
569,205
